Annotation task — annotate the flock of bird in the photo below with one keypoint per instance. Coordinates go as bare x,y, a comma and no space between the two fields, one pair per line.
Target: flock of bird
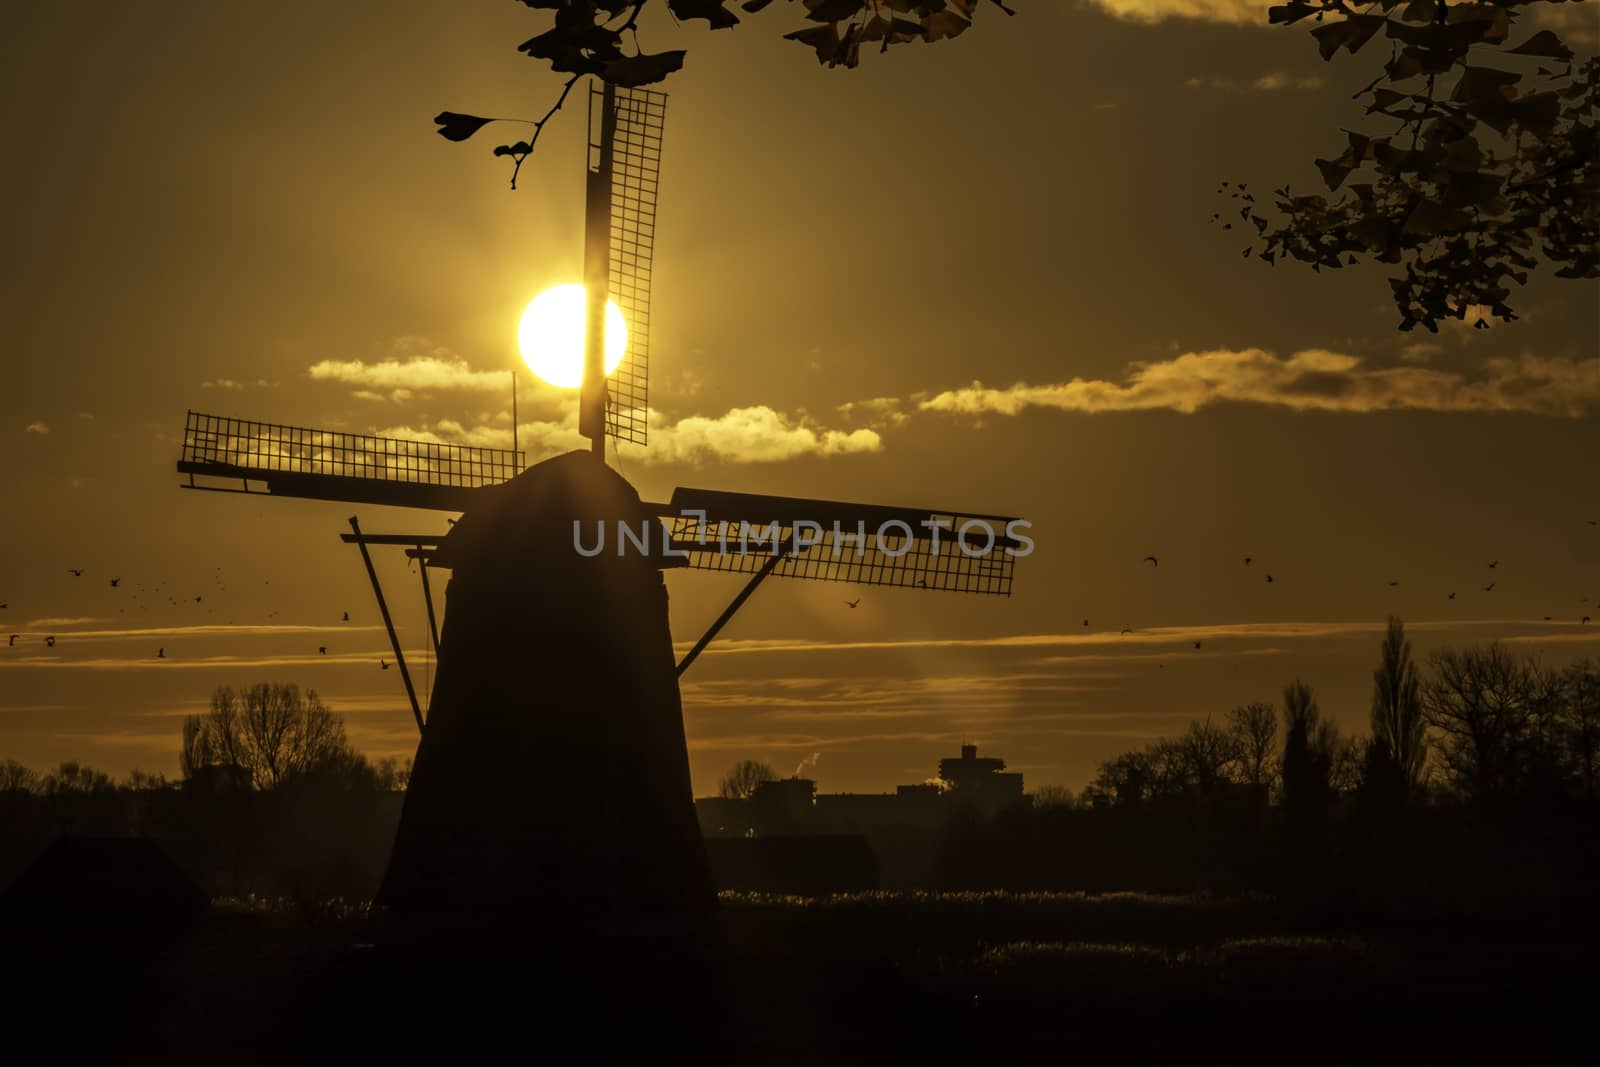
322,650
159,588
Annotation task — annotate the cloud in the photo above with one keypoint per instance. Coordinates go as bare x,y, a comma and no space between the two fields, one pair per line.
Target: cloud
742,435
751,435
1096,642
438,369
1267,83
1237,12
222,383
38,428
1310,380
879,411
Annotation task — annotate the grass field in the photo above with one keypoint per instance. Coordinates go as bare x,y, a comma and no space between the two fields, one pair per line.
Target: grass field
869,978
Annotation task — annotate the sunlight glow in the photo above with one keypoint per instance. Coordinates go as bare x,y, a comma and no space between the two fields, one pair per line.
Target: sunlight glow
552,332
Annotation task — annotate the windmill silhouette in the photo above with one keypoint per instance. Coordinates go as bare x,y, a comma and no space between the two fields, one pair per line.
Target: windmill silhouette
555,661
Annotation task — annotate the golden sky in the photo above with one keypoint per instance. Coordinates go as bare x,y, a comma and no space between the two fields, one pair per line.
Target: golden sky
974,276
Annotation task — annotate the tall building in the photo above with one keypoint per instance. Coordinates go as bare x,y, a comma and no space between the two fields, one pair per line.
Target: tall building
980,782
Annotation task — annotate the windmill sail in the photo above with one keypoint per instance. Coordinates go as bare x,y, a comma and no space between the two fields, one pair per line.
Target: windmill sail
332,465
625,146
836,541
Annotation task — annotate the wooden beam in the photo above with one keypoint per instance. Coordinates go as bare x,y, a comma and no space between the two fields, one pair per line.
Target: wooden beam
722,620
383,609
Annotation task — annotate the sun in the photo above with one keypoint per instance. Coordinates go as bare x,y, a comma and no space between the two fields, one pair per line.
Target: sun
552,332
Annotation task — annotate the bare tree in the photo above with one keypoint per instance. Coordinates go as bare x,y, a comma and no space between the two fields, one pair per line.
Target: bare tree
1255,731
270,732
1481,701
1053,798
16,778
73,777
1581,722
391,775
1399,734
743,777
1208,754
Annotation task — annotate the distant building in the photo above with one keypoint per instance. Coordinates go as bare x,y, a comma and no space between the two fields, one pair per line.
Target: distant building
980,782
784,804
901,829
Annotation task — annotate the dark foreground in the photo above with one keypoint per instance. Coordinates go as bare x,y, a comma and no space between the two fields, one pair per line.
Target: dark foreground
873,978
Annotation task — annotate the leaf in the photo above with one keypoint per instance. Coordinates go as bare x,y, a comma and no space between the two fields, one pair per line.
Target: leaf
833,10
633,71
712,11
521,148
1544,43
825,39
752,6
942,24
1292,12
1349,33
454,126
1333,172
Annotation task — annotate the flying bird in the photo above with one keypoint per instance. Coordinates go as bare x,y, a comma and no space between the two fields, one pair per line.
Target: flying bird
161,653
50,641
1489,588
115,582
1197,644
197,600
1592,522
346,617
1086,622
384,664
76,572
1452,596
1394,582
1583,621
1151,560
12,642
1493,563
1127,629
322,650
1269,579
1247,560
852,603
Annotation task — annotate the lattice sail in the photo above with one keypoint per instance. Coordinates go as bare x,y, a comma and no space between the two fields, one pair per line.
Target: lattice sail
639,116
861,544
334,465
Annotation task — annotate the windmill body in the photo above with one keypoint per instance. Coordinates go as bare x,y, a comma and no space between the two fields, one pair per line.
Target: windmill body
552,776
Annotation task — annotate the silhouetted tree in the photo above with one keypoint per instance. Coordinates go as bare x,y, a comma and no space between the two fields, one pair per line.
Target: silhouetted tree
16,778
1255,731
1489,168
1397,755
742,778
1310,749
74,777
1053,798
601,37
270,733
1208,755
392,775
1581,725
1481,702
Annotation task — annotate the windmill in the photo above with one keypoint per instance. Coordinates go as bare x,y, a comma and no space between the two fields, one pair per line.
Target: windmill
555,658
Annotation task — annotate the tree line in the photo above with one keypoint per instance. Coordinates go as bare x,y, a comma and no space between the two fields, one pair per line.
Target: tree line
1474,785
1482,726
272,799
